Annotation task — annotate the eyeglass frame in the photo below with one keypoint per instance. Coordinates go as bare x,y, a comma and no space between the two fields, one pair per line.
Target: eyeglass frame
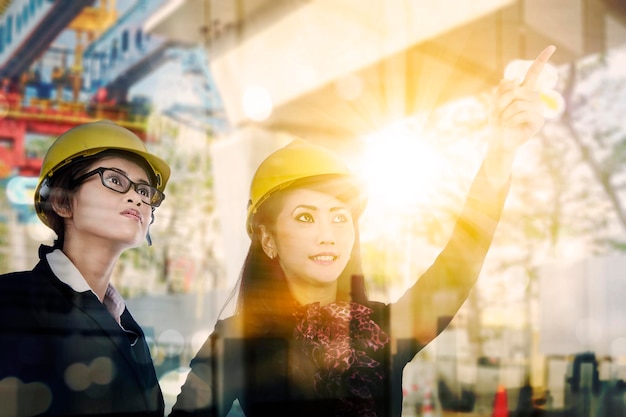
131,184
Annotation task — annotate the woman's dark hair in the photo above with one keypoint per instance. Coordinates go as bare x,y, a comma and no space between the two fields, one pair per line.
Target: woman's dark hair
263,293
62,189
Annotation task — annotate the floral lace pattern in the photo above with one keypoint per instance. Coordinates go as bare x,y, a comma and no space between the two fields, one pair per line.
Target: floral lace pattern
338,337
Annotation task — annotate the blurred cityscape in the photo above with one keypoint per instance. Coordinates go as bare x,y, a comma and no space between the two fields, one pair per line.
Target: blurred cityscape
400,88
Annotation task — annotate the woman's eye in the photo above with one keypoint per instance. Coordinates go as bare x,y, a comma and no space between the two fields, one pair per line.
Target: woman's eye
340,218
143,191
113,180
305,217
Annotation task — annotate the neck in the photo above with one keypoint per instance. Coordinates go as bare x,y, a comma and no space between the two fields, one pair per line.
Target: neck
96,265
307,294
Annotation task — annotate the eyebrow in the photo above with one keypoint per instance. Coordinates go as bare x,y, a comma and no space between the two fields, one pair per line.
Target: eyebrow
314,208
121,171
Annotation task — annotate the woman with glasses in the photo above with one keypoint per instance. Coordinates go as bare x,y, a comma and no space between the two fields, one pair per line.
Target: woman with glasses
69,345
305,339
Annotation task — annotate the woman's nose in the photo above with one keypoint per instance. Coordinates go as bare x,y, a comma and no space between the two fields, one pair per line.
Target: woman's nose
134,197
326,234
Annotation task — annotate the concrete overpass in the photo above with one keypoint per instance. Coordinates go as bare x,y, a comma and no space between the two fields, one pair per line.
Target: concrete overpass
341,68
335,70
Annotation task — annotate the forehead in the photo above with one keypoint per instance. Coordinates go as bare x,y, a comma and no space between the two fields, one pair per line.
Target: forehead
131,168
314,198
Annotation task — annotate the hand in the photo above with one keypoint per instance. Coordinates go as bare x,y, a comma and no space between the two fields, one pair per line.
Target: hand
517,113
516,116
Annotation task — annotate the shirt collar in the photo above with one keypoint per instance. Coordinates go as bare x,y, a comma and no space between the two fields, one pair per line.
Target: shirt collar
67,273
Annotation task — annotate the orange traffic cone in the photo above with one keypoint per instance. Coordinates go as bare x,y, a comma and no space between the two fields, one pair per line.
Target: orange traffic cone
500,403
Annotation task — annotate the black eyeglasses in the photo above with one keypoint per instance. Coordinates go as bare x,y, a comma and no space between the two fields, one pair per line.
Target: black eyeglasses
117,181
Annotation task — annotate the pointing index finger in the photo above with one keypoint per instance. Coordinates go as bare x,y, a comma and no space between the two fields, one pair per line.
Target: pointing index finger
532,75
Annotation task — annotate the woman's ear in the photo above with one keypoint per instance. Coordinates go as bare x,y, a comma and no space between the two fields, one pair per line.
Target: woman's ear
268,242
60,202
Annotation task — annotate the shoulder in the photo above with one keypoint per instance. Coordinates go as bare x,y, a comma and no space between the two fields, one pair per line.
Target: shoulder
22,279
230,327
377,307
18,291
26,289
41,272
225,329
17,281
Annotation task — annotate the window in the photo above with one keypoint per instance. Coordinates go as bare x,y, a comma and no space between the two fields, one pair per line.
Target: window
138,39
9,29
125,41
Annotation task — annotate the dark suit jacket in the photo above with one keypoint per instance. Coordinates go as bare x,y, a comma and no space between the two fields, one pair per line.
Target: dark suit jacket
62,353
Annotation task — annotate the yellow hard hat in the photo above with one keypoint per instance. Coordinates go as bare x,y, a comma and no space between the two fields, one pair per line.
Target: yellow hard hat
299,160
90,139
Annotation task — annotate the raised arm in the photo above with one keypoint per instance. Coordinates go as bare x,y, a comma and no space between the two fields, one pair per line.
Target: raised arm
516,116
427,307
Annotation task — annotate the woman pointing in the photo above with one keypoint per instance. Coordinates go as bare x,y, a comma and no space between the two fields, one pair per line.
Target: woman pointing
305,339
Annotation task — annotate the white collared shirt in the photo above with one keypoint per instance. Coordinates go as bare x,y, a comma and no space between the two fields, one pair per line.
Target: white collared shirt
67,273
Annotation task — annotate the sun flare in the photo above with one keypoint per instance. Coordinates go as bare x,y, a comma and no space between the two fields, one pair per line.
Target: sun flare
399,169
